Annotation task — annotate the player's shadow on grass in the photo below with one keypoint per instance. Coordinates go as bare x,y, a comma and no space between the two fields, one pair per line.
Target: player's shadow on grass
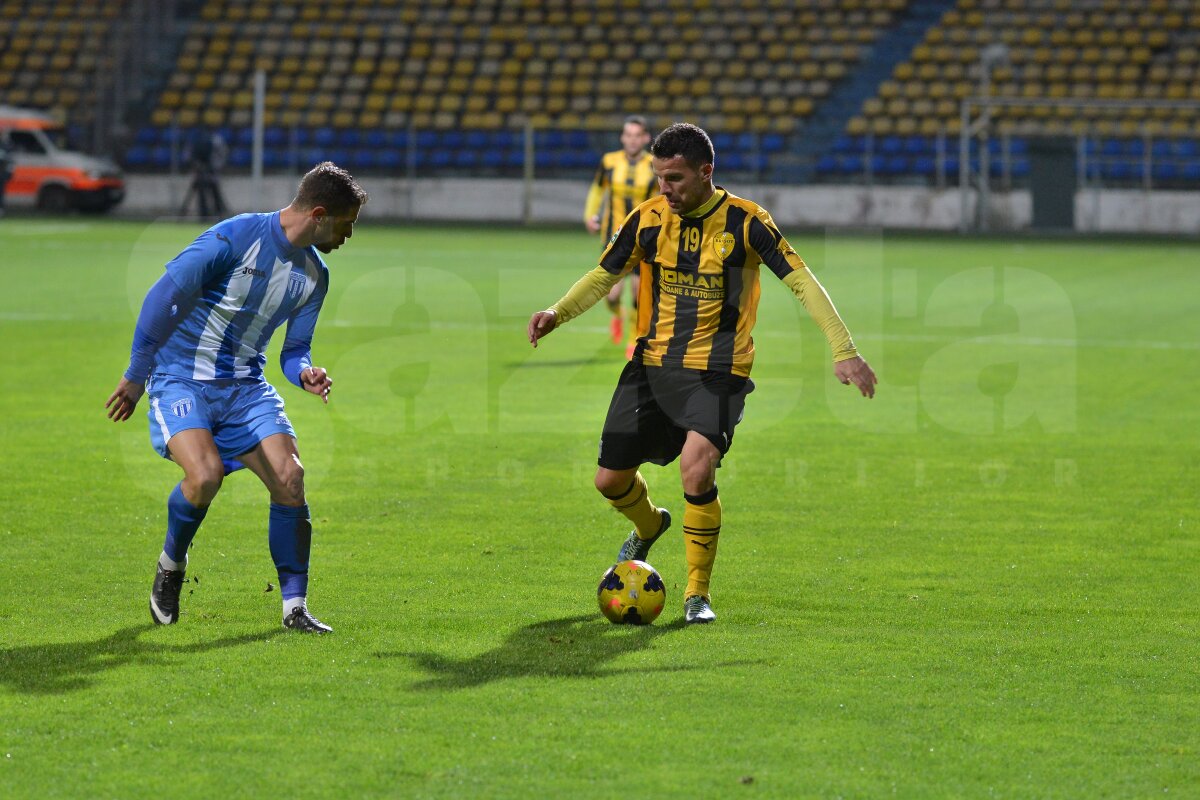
572,647
71,666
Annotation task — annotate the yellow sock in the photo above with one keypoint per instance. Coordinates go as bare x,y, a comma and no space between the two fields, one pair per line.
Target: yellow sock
701,529
635,504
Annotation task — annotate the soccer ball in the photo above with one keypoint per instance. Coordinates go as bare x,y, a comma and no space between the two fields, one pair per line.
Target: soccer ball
632,592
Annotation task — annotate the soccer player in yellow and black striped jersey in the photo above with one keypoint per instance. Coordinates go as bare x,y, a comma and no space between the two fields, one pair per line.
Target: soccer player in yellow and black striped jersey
684,390
623,180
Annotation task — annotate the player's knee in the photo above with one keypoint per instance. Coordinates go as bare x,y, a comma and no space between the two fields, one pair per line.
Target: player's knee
291,484
698,473
610,483
204,482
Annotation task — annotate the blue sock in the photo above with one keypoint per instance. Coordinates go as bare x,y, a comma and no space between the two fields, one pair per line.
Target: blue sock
290,534
183,520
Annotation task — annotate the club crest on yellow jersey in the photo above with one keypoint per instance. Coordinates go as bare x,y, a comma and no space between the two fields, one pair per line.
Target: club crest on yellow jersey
723,243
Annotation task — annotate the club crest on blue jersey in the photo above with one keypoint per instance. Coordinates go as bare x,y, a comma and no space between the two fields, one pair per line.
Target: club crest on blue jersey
181,408
296,284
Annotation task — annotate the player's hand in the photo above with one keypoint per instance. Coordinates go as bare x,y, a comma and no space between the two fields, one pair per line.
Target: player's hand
541,324
593,224
857,371
124,399
316,381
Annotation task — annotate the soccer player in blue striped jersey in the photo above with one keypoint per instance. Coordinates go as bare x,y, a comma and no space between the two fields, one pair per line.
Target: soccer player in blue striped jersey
198,351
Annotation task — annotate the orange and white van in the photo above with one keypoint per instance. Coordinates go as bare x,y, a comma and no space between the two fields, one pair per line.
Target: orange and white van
46,175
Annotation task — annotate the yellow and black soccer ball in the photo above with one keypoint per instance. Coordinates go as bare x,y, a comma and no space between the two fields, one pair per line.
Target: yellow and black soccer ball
632,593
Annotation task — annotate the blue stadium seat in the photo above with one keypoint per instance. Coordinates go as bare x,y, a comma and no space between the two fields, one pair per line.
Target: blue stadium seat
827,165
850,165
1191,172
1018,147
440,157
1185,148
390,160
275,157
772,143
146,136
375,138
358,158
349,138
452,140
397,139
577,159
427,140
239,157
503,140
324,137
493,159
339,156
746,142
274,136
466,159
242,137
1135,147
1166,172
925,165
891,145
918,146
722,142
578,140
545,159
1020,167
1112,147
137,156
514,158
553,140
1120,170
952,166
476,140
731,160
896,165
843,144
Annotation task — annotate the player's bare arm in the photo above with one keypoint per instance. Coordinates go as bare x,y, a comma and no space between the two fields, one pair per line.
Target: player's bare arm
124,399
316,380
540,325
857,371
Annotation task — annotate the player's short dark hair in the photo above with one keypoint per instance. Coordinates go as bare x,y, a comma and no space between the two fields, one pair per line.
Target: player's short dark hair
687,140
331,187
638,119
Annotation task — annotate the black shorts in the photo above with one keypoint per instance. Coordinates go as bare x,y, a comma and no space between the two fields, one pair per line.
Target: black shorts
653,408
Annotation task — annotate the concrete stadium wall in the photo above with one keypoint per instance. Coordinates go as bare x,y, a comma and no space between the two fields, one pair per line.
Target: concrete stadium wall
559,201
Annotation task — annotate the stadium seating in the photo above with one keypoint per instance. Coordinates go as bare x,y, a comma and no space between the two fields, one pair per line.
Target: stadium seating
1056,52
51,53
379,66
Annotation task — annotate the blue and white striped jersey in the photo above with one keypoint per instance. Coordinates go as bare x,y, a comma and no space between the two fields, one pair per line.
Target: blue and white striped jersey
247,280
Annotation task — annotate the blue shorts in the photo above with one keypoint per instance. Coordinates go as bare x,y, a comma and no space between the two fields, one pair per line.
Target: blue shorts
238,413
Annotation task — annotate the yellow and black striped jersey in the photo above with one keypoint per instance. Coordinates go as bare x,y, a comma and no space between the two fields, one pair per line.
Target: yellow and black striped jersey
619,185
699,291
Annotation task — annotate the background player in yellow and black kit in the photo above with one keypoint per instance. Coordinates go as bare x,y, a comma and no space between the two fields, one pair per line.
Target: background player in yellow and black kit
684,390
623,180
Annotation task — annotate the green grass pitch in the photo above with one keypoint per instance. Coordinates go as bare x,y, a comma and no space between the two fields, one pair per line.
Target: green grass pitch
982,583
